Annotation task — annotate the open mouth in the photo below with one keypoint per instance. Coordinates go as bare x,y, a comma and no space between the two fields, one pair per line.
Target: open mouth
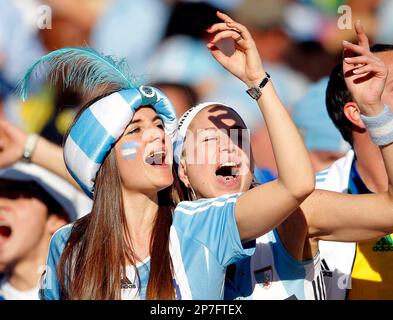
156,158
5,231
228,171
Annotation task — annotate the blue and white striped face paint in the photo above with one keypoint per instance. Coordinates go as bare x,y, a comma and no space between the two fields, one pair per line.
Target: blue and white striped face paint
129,150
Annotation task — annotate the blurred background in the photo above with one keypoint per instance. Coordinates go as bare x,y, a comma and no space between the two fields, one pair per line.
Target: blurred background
165,41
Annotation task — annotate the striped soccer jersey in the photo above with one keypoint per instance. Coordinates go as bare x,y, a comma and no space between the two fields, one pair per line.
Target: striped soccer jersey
204,240
272,274
354,270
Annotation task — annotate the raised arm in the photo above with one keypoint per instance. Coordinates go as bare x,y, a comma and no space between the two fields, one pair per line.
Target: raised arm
340,217
45,154
263,208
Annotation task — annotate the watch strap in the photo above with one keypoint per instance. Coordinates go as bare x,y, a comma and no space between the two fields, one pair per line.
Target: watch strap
256,92
29,147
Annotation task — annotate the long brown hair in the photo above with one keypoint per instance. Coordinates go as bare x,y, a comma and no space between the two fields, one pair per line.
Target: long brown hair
94,260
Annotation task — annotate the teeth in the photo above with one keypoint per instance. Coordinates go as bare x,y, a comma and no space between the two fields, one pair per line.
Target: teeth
156,153
228,164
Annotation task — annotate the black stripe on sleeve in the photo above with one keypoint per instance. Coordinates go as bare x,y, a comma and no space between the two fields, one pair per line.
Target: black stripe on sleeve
314,290
324,265
319,288
323,286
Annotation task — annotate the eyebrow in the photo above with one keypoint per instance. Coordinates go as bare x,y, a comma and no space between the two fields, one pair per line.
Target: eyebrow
235,127
140,120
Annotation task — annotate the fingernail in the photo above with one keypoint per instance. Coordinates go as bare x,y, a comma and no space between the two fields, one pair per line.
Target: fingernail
211,40
209,29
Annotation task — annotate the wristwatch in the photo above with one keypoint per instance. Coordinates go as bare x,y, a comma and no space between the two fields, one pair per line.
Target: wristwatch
256,92
29,147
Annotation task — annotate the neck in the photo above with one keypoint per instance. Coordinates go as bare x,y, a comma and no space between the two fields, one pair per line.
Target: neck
370,163
141,211
25,274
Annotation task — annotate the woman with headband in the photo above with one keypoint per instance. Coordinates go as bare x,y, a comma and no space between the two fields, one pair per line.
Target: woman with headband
286,263
135,243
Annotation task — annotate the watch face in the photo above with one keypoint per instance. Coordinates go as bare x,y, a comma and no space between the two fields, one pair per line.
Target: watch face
255,93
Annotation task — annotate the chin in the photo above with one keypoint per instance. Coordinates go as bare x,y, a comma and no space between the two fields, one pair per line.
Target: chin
6,257
163,182
237,185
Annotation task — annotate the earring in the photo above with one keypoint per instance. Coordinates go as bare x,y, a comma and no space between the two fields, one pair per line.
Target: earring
191,193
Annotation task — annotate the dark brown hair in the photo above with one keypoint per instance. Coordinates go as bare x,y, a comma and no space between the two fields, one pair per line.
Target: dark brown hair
99,247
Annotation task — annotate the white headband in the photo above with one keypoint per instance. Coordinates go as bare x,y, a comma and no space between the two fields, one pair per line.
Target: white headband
184,123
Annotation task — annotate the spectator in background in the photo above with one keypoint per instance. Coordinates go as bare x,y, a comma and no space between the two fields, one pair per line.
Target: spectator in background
312,59
265,20
385,22
33,205
185,60
5,90
308,20
48,112
321,137
131,29
182,66
182,56
19,47
363,270
182,96
19,42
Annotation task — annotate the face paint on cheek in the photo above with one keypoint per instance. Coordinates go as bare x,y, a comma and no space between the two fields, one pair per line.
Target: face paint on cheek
129,149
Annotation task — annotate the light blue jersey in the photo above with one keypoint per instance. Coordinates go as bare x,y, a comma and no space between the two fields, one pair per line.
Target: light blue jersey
272,274
203,241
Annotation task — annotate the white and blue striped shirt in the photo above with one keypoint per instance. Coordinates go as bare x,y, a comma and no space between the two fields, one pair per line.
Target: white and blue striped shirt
273,274
204,240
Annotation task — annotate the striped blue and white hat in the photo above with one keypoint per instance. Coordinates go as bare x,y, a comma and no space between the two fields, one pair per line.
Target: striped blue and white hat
99,127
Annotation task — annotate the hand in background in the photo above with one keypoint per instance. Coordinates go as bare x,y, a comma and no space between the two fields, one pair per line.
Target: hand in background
12,141
245,63
365,74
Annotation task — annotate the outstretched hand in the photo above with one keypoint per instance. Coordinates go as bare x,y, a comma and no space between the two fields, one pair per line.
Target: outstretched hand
12,141
364,73
245,63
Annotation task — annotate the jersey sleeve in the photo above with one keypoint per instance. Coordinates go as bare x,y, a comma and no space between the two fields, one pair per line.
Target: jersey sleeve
212,223
50,287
